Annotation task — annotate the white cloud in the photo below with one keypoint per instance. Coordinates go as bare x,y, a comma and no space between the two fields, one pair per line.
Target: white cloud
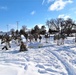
33,12
59,4
64,16
3,8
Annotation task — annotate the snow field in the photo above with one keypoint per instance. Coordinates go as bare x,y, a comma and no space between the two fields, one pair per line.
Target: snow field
49,59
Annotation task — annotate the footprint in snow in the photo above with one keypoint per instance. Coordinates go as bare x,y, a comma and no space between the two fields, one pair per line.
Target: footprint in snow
42,71
40,66
25,67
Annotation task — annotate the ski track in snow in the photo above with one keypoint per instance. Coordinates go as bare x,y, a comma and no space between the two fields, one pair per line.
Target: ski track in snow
68,49
48,64
69,68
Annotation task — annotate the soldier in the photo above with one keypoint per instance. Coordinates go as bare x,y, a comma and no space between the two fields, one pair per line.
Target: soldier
7,42
36,36
62,38
2,40
46,36
23,47
58,36
8,39
54,38
6,45
31,37
40,37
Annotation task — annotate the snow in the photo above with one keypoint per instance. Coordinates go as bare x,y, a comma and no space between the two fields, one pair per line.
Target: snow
41,58
35,45
10,70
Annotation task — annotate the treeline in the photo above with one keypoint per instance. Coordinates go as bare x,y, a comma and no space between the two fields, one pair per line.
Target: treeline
67,26
58,25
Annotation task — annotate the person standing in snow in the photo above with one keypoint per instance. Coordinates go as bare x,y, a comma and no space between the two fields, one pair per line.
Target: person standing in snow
54,38
57,38
7,42
40,37
22,47
31,37
62,38
6,46
35,36
46,36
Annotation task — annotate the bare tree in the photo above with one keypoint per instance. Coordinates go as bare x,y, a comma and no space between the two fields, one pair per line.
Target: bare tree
37,29
69,23
43,30
53,24
24,28
48,24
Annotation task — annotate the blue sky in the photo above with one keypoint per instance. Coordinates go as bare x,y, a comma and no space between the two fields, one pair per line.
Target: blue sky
34,12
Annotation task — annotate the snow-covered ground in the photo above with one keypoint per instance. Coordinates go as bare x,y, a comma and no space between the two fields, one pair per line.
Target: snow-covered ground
49,59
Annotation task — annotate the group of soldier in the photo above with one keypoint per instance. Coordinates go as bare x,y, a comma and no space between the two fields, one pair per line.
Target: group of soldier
18,40
6,39
59,38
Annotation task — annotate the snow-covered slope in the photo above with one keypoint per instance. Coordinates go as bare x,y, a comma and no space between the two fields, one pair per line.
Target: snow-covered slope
49,59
